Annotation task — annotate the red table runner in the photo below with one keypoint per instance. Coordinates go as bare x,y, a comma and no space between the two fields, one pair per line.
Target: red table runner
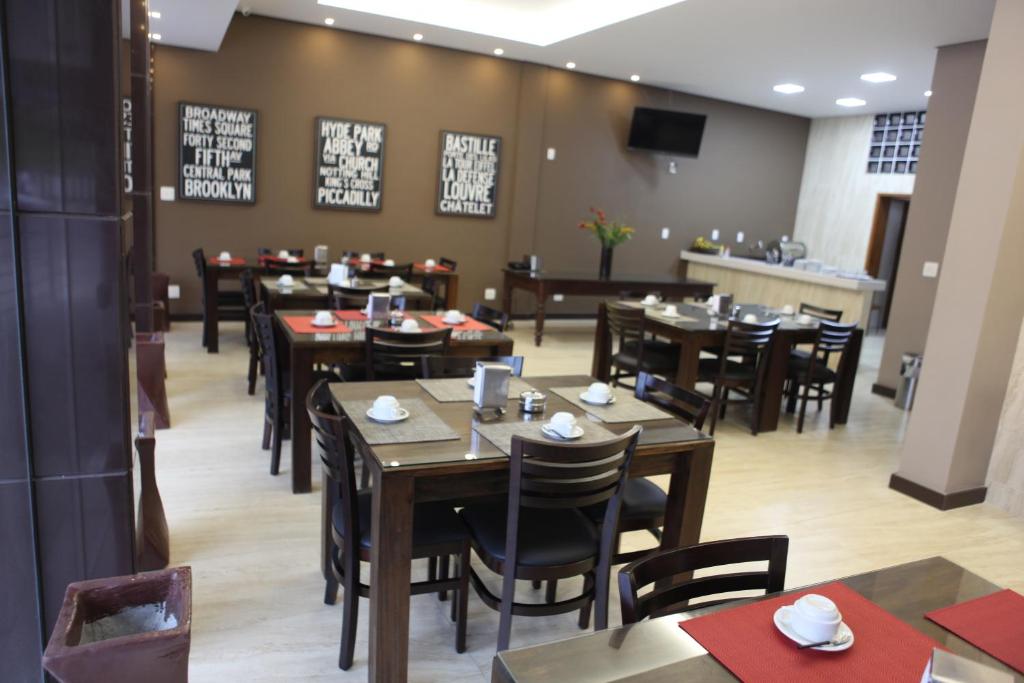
350,315
238,261
745,641
471,324
994,623
303,324
438,268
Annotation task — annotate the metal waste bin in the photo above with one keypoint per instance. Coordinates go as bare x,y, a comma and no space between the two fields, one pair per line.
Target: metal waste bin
910,370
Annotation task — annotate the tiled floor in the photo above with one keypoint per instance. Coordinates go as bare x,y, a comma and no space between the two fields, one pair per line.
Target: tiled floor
258,610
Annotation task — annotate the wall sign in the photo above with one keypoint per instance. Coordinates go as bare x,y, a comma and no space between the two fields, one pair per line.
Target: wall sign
126,142
349,164
217,153
467,182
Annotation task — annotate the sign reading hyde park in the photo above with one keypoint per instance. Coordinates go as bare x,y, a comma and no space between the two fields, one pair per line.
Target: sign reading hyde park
468,177
349,164
217,153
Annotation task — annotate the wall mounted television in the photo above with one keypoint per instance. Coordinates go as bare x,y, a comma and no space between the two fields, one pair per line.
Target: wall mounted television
671,132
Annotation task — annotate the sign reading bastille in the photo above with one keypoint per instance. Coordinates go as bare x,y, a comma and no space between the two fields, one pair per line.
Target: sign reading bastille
467,183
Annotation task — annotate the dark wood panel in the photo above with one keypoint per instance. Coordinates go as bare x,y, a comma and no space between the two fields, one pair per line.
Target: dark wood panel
20,647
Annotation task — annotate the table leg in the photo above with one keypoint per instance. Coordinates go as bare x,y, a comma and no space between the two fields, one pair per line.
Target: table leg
689,362
506,295
848,374
774,381
302,382
451,291
600,366
538,333
212,313
390,573
687,494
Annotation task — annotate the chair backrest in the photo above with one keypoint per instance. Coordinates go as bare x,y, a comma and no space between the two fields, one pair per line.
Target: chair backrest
687,405
491,316
436,367
626,323
391,354
268,352
833,338
402,270
264,251
200,260
668,565
835,315
347,298
297,252
751,342
448,263
248,288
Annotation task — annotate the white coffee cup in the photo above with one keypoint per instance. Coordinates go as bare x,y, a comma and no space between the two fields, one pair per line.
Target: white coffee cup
386,407
224,256
788,309
671,310
395,281
365,258
430,263
283,254
805,319
599,392
750,318
563,423
815,618
453,316
389,262
650,299
410,325
323,318
286,280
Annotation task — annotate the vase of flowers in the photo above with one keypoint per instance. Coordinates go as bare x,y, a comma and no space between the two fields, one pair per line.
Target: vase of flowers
610,234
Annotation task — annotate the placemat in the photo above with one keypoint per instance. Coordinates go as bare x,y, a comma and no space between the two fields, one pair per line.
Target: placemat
745,641
353,315
303,324
451,389
214,261
471,324
994,623
422,425
438,268
501,433
659,313
627,408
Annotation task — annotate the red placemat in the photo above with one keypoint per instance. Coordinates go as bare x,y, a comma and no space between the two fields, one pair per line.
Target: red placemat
277,259
303,324
438,268
238,261
745,641
350,315
994,623
470,324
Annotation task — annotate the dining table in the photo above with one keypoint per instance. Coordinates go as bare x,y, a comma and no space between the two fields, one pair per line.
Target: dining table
446,277
313,292
302,350
696,327
215,271
469,466
659,651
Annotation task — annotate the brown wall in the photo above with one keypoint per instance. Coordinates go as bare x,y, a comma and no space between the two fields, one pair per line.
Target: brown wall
955,84
747,176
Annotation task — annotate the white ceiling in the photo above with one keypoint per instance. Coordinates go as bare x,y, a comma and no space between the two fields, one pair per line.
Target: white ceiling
734,50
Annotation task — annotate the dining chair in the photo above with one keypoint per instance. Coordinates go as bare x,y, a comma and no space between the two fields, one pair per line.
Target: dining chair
347,298
636,352
429,285
394,355
437,367
448,263
293,269
402,270
541,534
675,566
813,373
741,368
251,337
437,531
830,314
491,316
229,304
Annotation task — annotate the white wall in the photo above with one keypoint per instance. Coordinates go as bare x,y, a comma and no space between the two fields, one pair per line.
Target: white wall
837,194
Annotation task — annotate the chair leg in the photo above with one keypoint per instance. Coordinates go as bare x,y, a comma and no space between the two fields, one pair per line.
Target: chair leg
330,588
508,596
552,591
725,401
252,373
443,574
601,597
792,396
349,616
803,408
588,586
431,569
462,600
821,396
714,409
266,433
275,454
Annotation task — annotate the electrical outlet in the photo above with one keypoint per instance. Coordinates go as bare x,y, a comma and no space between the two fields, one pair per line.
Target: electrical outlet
559,297
739,237
715,235
490,294
551,153
930,269
664,233
167,193
173,291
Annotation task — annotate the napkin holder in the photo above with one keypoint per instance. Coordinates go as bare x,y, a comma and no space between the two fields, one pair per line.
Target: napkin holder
338,274
490,387
320,254
724,304
378,306
946,667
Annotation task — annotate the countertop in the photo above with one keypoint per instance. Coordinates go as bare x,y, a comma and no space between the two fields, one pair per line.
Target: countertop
762,268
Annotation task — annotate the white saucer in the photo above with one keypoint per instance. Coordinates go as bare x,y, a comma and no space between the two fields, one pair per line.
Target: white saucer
781,619
653,303
549,431
671,315
454,322
402,415
314,323
611,400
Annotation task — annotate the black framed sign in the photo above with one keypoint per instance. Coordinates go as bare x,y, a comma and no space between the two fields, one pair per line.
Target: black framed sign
126,142
467,181
349,164
216,153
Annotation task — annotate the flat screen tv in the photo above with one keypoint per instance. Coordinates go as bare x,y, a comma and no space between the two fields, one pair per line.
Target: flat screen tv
672,132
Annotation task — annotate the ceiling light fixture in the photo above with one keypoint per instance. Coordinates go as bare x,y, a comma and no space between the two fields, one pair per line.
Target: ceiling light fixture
635,77
417,37
155,36
570,65
154,15
788,88
878,77
927,93
329,21
498,51
850,102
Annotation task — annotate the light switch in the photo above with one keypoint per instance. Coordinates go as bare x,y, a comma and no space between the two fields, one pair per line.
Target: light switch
715,235
739,237
664,233
490,294
167,193
173,291
931,269
559,297
551,153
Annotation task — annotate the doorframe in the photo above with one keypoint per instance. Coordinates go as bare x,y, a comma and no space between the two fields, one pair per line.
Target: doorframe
876,241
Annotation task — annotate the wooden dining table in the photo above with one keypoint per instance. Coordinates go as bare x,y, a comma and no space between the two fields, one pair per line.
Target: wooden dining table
472,467
658,651
312,292
697,329
303,351
445,276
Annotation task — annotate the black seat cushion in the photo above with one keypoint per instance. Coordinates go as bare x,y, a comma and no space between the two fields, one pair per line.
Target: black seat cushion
798,370
658,356
433,523
546,537
641,499
709,368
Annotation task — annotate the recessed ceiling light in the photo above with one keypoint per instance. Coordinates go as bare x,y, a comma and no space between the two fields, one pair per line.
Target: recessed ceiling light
155,36
927,93
329,21
878,77
154,15
850,102
788,88
570,65
417,37
498,51
635,77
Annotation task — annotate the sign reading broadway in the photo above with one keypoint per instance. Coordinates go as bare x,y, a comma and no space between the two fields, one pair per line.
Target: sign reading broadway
217,153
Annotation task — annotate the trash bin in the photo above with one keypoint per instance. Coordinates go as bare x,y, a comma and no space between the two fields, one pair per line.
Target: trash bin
125,628
910,370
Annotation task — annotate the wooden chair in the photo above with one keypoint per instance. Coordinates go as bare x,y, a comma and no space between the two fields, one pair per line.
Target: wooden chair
540,533
437,367
437,531
741,367
429,286
251,338
348,298
448,263
636,352
294,269
229,304
831,314
674,566
491,316
814,372
403,270
391,354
